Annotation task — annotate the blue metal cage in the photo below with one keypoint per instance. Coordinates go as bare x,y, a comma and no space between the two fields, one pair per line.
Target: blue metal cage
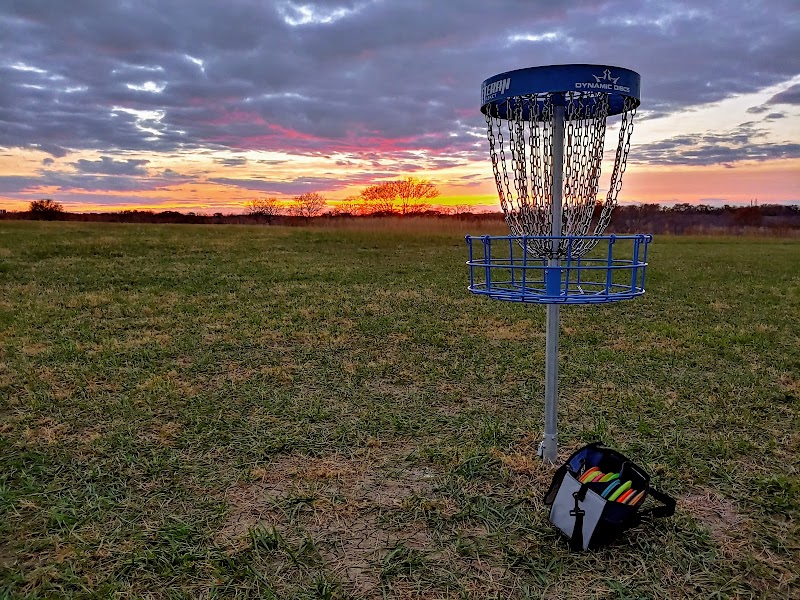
499,267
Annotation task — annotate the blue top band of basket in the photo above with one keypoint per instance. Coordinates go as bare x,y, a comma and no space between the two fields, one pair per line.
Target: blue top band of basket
558,80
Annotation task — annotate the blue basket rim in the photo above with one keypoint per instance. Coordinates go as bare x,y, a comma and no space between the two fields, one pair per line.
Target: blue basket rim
618,83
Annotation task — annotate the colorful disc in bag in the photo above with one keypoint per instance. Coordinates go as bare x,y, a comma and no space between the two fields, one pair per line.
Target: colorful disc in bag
624,497
609,488
620,490
635,500
587,474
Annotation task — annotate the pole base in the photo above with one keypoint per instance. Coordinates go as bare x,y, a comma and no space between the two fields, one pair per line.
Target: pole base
548,448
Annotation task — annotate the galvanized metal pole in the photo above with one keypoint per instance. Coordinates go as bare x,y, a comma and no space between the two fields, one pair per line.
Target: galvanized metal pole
549,446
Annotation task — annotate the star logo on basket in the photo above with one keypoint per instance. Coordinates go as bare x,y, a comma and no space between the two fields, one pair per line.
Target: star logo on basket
605,83
606,76
488,92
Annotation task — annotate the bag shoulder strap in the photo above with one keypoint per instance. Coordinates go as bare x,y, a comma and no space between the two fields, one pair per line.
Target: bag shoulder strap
667,508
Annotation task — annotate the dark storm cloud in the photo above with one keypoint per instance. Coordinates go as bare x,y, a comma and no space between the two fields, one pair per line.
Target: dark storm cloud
349,76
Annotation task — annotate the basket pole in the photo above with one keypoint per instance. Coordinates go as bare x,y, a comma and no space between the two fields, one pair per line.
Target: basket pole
549,446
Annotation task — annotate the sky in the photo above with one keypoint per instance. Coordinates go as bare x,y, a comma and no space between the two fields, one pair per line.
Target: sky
202,105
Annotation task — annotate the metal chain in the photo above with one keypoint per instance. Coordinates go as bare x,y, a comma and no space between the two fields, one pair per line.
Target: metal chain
620,163
596,130
527,199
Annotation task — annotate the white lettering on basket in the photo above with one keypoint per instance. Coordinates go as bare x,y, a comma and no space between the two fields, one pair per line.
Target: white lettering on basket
488,92
606,83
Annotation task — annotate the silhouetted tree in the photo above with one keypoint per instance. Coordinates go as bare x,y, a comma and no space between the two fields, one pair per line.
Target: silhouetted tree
264,208
346,207
46,210
406,196
459,210
308,205
377,199
747,216
413,194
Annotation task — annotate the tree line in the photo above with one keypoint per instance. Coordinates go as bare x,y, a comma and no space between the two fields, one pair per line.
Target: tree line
703,218
410,197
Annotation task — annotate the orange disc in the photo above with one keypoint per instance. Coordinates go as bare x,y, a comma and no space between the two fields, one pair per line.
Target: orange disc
626,495
636,498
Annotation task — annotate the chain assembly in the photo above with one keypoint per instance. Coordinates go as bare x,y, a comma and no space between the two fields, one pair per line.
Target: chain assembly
527,137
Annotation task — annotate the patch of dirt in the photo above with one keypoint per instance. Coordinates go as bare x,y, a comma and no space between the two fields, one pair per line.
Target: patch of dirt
719,306
33,349
522,331
8,557
790,385
528,472
718,514
344,504
46,431
621,345
401,392
163,433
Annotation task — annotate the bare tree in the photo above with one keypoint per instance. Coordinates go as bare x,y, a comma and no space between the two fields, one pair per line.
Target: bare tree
413,195
348,206
406,196
378,198
460,210
266,208
308,205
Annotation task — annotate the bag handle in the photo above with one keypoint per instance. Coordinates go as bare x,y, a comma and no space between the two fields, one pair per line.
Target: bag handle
576,539
667,508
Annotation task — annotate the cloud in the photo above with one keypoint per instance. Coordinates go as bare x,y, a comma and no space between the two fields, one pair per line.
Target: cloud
788,96
231,162
300,185
73,181
343,76
746,142
108,166
18,183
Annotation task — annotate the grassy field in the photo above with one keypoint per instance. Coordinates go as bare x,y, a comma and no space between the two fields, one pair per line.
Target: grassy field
237,412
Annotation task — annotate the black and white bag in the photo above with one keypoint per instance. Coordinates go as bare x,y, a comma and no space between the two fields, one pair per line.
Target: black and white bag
597,494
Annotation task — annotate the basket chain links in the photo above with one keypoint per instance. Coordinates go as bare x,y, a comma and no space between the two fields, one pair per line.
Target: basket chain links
527,199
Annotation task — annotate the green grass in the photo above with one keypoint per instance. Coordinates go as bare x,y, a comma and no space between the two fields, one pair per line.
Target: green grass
236,412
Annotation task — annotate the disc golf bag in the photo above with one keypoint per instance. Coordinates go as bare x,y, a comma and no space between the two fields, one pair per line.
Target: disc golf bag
598,493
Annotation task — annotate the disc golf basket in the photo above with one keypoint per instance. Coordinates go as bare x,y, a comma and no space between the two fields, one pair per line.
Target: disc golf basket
547,128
